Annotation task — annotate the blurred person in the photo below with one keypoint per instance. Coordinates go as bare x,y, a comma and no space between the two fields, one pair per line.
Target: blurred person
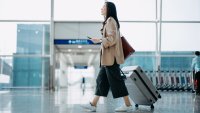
83,82
111,56
196,70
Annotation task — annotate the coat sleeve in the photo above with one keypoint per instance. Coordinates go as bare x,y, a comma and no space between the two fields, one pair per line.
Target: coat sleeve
111,32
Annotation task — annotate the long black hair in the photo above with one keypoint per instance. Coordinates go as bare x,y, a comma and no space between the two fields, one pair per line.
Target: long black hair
111,12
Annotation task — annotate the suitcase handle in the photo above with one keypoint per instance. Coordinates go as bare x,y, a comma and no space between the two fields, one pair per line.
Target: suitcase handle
124,76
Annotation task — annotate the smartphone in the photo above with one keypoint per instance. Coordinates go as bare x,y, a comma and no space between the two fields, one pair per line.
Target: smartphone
89,37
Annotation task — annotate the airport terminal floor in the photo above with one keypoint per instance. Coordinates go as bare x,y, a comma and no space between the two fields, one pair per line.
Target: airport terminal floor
71,99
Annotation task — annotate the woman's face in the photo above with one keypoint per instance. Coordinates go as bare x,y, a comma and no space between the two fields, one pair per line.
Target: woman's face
104,10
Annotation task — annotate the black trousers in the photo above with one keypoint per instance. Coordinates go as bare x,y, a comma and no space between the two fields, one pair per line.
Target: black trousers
109,77
197,77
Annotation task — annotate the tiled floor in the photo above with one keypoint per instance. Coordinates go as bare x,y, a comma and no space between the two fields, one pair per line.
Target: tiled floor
70,101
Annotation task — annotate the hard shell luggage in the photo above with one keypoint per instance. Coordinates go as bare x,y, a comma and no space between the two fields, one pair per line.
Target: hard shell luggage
141,89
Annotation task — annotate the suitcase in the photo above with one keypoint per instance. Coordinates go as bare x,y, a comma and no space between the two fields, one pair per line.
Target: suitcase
141,89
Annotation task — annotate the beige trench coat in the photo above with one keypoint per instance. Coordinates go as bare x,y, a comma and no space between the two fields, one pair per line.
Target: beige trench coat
111,46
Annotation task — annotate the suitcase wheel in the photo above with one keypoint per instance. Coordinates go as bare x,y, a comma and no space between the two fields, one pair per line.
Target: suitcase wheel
152,106
136,105
159,96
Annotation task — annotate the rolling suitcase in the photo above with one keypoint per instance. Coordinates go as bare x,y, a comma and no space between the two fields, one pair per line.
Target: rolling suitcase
141,89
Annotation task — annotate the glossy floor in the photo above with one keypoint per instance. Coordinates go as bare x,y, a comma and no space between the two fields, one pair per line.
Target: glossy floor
70,101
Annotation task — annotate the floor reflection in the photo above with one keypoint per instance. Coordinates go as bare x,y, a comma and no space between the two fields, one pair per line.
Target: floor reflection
70,101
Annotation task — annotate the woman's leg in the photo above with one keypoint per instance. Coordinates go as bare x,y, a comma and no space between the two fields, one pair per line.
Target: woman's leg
116,81
102,86
95,101
127,101
118,86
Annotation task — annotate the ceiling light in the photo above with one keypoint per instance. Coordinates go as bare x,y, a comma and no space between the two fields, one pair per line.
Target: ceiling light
90,50
69,50
79,46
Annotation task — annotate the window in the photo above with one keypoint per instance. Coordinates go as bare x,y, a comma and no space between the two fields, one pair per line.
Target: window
142,36
25,9
181,10
180,36
24,38
77,10
91,9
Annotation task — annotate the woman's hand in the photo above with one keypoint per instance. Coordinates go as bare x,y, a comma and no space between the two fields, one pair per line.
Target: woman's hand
96,40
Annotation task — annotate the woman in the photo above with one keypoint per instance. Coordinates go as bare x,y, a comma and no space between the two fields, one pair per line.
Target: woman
111,56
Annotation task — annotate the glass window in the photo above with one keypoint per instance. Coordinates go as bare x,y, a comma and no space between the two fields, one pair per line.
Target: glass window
136,9
176,63
181,10
83,10
24,71
142,36
180,37
25,9
78,10
140,58
24,38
